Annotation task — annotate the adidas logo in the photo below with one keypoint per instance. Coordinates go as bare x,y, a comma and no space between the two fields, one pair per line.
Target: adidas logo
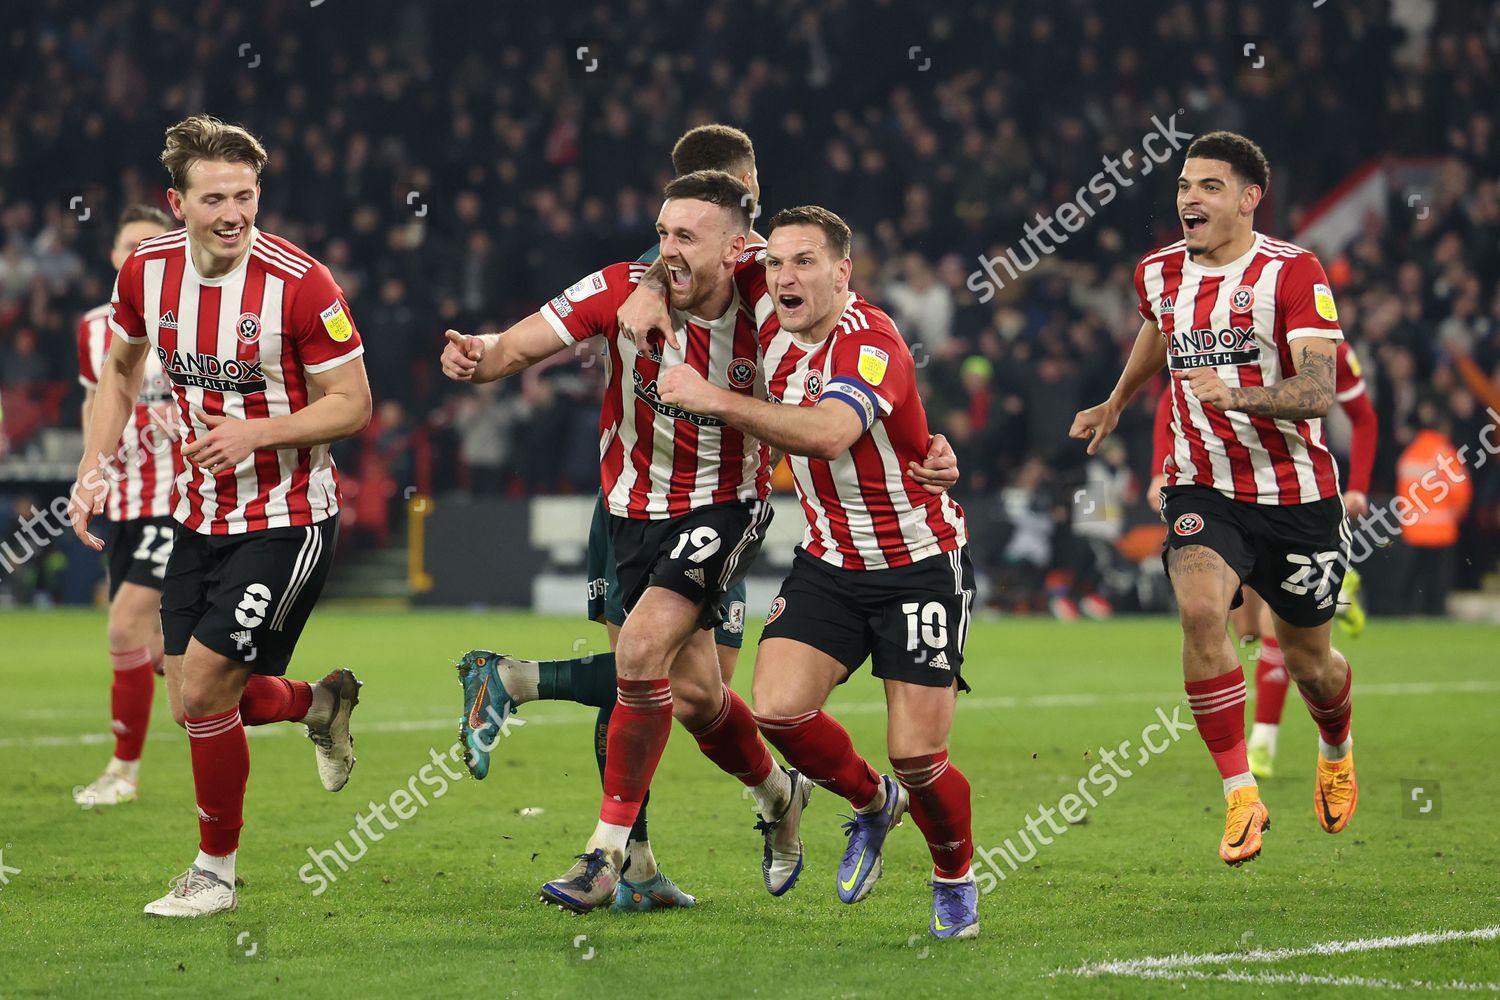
1325,602
696,575
241,639
940,661
1166,305
168,320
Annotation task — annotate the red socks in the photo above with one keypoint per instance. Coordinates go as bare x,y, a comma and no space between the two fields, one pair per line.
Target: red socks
1271,680
820,748
1218,706
940,806
1333,716
221,766
638,732
274,699
732,742
130,697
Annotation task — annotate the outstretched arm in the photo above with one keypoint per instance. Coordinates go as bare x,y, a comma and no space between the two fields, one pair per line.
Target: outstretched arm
111,407
1146,359
495,355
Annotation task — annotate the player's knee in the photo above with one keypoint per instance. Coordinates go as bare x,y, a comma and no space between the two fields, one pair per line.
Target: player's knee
641,653
124,634
769,702
179,714
1202,616
203,696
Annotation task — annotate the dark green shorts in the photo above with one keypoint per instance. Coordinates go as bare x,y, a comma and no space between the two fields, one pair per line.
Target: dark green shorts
604,587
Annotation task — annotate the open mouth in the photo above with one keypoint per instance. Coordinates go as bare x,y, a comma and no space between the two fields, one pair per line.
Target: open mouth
230,236
791,303
1193,222
679,277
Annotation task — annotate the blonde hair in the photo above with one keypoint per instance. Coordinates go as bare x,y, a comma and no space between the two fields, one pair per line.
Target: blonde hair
203,137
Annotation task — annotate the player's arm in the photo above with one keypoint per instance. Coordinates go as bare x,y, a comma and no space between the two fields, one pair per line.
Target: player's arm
340,409
824,431
646,308
1147,357
1307,394
1354,399
114,401
496,355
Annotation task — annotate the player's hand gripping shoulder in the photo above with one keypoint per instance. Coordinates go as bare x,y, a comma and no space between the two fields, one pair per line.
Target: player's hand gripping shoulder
646,310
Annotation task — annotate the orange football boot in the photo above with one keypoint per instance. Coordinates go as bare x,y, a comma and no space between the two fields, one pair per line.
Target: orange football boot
1337,792
1246,819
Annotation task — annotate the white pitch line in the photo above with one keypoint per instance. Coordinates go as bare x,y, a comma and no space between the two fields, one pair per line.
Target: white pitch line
1141,966
965,704
1306,979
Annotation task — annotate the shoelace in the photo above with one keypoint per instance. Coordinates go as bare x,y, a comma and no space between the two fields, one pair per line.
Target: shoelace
593,864
950,902
191,881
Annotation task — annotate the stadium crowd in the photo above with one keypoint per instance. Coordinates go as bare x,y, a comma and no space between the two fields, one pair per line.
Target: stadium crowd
452,177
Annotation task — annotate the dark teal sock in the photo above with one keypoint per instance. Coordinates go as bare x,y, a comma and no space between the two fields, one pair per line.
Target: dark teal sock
588,680
601,736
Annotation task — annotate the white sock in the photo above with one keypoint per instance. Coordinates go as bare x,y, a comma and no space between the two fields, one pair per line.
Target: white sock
130,770
1244,780
878,802
1333,753
613,839
773,795
1263,734
320,711
222,868
520,678
640,863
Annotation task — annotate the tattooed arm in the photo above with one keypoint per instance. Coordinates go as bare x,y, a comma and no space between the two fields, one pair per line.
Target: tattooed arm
1307,394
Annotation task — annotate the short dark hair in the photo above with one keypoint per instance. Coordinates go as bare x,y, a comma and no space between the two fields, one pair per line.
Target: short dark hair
717,188
835,229
1244,157
203,137
144,213
714,147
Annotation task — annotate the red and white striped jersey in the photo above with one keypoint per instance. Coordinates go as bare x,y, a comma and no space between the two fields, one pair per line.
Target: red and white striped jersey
241,345
658,461
146,461
1242,318
863,511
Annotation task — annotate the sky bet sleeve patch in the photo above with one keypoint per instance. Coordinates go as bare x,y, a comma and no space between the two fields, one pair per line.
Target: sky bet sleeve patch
336,322
1323,302
872,364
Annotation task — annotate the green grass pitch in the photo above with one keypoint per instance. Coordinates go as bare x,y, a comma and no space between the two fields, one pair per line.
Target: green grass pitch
445,903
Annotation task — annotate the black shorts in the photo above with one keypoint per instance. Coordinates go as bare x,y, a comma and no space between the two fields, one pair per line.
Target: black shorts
604,587
1293,556
701,555
910,622
138,552
246,596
